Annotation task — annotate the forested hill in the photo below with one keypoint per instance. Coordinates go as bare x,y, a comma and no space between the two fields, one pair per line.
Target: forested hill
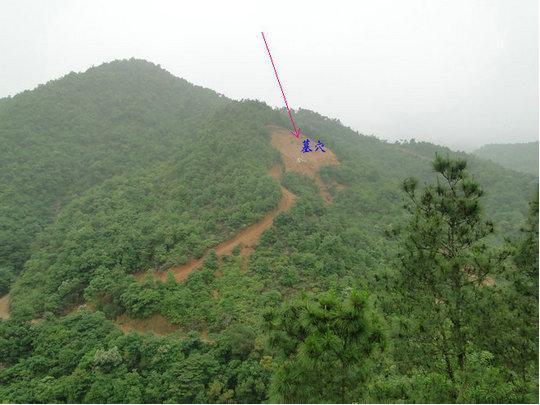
522,157
499,203
70,134
114,174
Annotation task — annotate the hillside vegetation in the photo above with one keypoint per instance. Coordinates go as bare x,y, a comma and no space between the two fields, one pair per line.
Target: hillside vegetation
114,176
521,157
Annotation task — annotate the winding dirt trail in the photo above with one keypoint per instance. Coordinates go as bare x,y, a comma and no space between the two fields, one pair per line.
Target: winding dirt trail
294,160
247,238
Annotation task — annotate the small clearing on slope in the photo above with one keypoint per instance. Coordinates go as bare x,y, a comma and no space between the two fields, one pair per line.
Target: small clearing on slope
294,160
4,307
156,324
305,163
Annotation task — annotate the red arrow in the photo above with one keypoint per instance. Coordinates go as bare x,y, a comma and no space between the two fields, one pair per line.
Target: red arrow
296,131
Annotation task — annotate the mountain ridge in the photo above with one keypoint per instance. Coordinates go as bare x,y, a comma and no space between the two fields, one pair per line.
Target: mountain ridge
521,157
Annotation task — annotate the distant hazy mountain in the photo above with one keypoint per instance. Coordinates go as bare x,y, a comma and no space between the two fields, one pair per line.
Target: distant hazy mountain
522,157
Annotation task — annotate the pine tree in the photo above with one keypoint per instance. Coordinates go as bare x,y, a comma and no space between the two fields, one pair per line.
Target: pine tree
444,263
521,299
324,348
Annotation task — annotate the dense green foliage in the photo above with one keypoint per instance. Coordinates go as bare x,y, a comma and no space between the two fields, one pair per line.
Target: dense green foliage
125,168
84,358
71,134
153,218
325,349
502,188
522,157
445,264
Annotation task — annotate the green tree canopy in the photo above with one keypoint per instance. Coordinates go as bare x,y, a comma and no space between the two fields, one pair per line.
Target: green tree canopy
325,346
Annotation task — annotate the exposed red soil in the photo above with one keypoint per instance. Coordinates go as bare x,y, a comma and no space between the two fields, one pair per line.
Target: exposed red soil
205,337
294,160
490,282
305,163
247,238
275,172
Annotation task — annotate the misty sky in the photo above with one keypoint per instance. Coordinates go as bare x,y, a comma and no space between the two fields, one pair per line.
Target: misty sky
458,72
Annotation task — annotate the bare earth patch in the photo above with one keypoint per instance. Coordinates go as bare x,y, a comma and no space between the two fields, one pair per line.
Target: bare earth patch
295,161
4,307
156,324
305,163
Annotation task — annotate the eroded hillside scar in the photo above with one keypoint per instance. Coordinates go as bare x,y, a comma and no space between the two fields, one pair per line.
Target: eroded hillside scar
293,160
246,238
304,163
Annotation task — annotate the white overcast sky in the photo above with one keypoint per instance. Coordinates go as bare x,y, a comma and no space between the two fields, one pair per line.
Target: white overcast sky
457,72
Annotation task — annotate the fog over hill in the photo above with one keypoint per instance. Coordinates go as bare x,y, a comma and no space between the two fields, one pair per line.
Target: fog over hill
457,73
522,157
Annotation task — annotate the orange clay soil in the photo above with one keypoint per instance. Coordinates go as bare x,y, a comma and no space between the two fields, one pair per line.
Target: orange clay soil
294,160
304,163
246,238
